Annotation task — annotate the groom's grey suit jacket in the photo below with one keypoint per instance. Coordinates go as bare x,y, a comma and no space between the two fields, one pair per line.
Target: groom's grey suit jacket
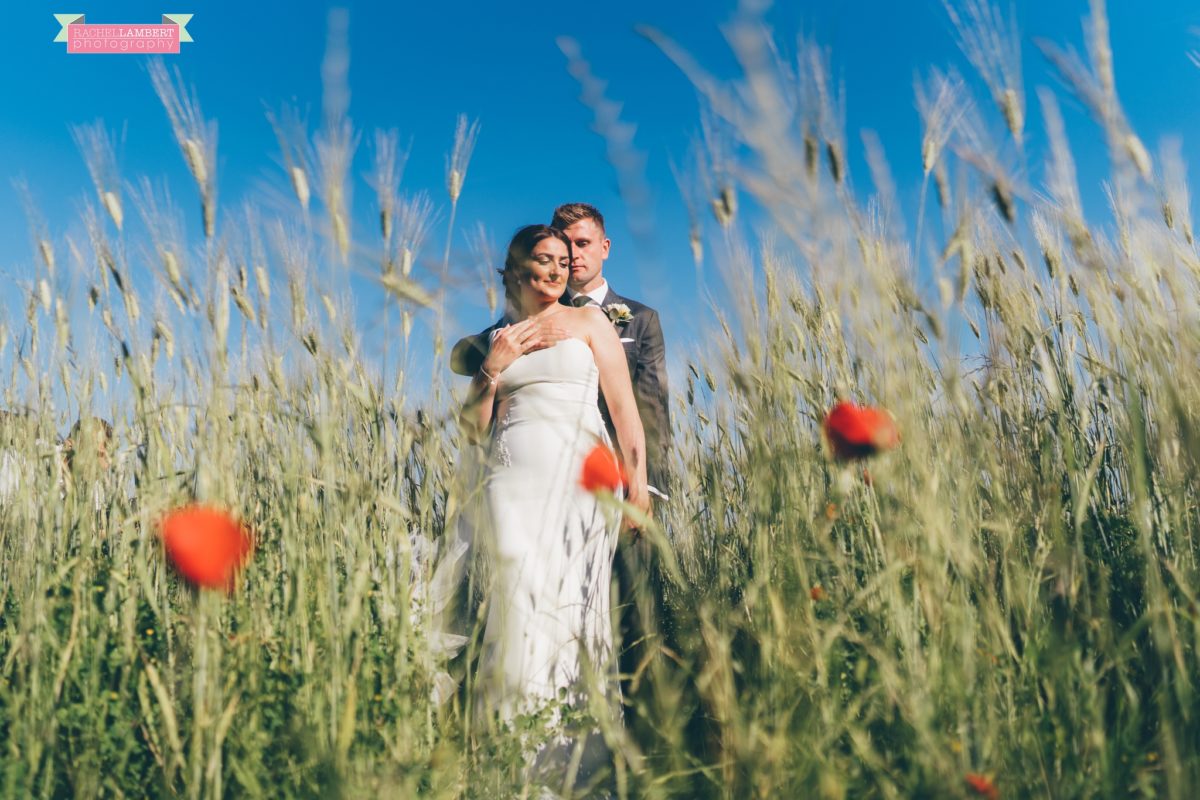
645,354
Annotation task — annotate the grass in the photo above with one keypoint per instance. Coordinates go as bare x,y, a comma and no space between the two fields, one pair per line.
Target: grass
1010,593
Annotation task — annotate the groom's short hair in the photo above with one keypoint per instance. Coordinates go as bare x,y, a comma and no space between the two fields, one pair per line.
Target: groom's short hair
568,214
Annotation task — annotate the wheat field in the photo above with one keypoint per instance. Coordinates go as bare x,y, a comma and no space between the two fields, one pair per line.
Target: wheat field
1004,605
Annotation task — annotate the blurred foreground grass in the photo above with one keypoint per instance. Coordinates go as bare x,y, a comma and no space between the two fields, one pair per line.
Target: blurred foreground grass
1011,593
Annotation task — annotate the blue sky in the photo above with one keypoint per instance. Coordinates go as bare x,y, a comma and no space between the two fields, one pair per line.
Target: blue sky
416,66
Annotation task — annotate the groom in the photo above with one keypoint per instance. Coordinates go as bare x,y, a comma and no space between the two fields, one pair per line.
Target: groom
636,324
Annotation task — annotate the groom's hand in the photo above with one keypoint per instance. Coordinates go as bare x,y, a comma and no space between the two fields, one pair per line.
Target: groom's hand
547,333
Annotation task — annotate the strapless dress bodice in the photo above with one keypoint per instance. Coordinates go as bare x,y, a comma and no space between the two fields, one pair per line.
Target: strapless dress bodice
556,385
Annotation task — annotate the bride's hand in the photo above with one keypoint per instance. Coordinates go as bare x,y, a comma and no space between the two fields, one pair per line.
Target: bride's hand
514,341
640,501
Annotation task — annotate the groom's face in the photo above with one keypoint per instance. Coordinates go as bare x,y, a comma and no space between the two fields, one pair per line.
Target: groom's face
590,249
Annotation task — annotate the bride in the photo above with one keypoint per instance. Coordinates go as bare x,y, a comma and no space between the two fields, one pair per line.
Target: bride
548,632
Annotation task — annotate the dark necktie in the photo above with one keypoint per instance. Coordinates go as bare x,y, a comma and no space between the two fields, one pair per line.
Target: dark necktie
581,300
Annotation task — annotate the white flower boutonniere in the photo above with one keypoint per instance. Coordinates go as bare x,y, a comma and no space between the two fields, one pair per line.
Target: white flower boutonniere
619,313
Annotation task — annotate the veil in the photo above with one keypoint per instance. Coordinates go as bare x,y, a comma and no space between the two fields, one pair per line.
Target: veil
456,587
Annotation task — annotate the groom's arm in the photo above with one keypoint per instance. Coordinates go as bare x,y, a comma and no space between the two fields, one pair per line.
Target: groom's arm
468,354
650,390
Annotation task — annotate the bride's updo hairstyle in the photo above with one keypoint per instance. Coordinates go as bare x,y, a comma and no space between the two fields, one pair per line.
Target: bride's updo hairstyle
519,249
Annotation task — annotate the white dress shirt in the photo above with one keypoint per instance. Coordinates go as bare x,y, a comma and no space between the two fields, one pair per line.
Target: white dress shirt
598,294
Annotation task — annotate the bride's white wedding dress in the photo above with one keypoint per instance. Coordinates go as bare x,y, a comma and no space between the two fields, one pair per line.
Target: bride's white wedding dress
548,632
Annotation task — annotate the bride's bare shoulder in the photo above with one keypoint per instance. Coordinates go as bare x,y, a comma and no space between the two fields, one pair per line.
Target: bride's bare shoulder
585,322
583,315
593,312
595,322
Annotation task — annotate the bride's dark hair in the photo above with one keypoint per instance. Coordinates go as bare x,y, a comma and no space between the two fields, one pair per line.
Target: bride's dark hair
522,244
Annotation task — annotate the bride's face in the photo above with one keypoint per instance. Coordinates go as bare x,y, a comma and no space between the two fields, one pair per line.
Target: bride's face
546,270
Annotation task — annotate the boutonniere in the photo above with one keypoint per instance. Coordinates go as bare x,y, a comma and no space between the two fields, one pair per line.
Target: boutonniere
619,313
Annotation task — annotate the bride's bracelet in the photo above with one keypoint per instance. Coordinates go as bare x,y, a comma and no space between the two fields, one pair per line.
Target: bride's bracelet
492,379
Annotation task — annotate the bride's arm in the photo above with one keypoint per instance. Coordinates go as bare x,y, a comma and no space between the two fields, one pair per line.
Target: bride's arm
508,344
475,417
617,387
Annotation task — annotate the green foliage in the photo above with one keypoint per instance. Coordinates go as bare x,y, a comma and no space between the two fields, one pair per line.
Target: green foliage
1011,592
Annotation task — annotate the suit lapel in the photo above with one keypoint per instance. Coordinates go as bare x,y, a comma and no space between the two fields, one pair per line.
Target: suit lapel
630,348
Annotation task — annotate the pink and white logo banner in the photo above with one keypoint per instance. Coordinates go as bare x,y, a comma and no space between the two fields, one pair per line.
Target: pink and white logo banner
122,37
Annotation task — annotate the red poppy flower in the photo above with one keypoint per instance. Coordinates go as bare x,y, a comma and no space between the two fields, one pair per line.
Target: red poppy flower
206,545
816,593
982,786
602,470
859,431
